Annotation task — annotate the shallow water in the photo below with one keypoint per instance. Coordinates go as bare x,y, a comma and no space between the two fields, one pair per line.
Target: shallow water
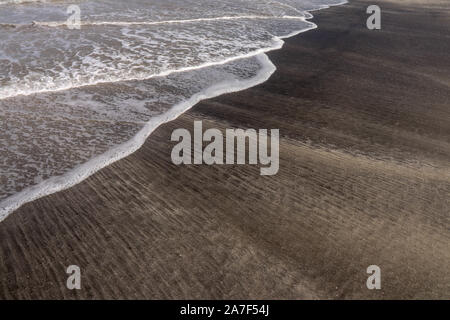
73,101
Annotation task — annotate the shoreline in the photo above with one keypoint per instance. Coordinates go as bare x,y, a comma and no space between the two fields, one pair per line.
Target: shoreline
83,171
80,173
144,228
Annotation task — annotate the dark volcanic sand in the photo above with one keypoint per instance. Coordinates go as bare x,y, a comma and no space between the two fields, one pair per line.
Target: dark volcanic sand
364,179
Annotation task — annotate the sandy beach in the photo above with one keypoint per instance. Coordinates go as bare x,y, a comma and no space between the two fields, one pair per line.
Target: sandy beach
364,180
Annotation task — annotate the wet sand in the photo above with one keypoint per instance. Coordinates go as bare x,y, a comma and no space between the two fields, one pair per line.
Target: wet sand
364,179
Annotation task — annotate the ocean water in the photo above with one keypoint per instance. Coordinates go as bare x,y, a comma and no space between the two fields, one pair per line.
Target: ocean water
75,100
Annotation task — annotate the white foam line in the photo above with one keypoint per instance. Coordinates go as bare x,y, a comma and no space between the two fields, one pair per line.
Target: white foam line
289,6
326,6
85,170
57,24
155,23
